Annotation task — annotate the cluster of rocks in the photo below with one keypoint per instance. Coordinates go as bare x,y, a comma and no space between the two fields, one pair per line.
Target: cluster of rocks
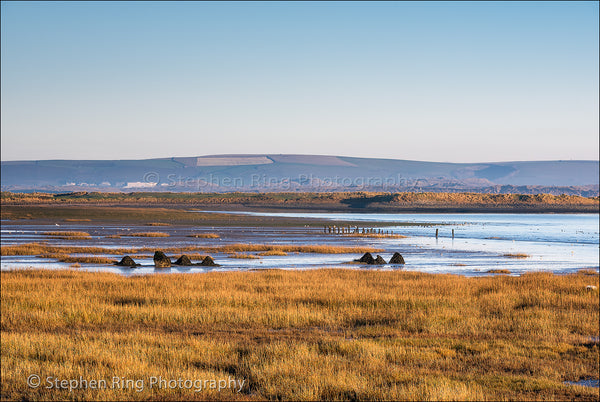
162,261
184,260
127,261
368,259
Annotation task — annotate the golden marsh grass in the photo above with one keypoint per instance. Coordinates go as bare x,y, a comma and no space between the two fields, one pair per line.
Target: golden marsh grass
273,252
338,200
68,235
516,255
43,248
498,271
306,335
87,259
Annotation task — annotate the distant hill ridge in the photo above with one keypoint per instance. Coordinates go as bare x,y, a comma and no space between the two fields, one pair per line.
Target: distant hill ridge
285,172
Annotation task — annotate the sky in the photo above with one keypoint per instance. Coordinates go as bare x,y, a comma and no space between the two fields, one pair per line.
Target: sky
431,81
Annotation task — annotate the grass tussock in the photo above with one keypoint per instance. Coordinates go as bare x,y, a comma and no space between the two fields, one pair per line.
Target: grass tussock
498,271
273,252
147,234
68,235
77,220
205,235
589,272
244,256
113,236
54,256
87,259
365,335
516,255
43,248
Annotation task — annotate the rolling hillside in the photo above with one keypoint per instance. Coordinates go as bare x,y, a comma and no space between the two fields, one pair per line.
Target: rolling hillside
225,173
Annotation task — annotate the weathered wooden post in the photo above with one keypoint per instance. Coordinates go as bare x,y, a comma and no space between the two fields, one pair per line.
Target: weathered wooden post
436,233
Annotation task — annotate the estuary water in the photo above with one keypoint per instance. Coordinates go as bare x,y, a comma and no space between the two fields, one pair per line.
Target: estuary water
473,243
518,243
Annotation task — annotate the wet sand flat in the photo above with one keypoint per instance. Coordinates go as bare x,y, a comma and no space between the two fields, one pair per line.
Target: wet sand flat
484,244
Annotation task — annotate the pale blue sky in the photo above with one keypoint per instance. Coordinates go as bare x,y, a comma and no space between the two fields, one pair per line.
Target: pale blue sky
458,82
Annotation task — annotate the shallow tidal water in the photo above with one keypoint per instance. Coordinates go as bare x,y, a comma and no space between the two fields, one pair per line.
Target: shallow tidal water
559,243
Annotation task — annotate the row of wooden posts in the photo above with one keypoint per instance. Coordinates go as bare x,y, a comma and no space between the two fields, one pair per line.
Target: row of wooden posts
357,230
437,232
353,230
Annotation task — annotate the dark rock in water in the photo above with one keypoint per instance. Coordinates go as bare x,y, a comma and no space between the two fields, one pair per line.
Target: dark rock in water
161,260
183,260
397,259
208,261
367,258
379,260
127,261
